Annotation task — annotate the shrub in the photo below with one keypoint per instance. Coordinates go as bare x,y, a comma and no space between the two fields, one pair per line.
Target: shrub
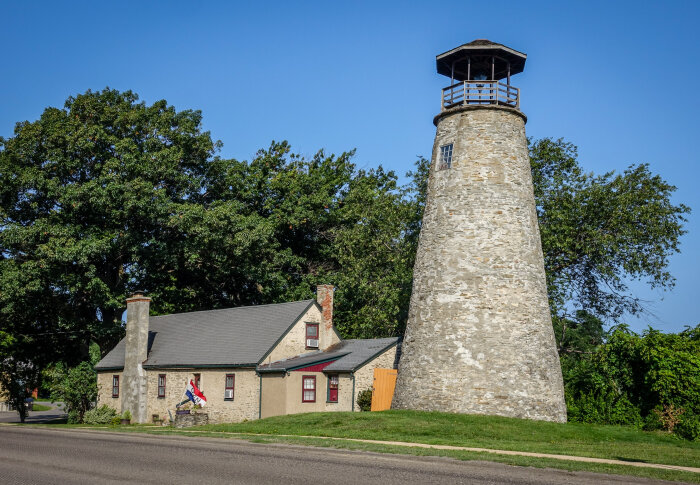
75,387
604,408
116,421
688,427
364,400
101,415
126,414
668,415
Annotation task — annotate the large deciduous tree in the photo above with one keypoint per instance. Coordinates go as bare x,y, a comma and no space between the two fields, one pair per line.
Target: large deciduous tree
86,192
601,231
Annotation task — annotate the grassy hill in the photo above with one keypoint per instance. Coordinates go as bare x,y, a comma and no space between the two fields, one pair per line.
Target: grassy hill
612,442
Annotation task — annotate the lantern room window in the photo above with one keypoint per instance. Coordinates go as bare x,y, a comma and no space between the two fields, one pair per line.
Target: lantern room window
445,161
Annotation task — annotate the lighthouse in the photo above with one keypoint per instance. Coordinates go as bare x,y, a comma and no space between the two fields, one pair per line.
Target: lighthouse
479,336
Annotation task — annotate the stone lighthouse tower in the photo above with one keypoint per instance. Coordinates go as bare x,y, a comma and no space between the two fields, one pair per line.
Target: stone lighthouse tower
479,337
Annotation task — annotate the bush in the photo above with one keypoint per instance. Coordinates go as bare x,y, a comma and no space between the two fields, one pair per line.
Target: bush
604,408
116,421
73,417
75,387
688,428
101,415
364,400
126,414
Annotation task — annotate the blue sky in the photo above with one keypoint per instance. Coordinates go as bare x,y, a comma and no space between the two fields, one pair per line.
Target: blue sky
615,78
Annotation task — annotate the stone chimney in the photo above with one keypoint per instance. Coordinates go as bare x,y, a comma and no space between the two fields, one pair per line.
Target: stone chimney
324,297
135,388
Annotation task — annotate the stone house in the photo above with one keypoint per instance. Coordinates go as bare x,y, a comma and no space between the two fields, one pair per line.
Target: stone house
250,362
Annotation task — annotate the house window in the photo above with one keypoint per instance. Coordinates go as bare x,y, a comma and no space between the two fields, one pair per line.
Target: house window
333,388
115,386
312,335
161,385
196,381
445,161
308,391
228,388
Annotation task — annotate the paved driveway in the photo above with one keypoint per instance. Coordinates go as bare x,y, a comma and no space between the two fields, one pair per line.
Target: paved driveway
36,416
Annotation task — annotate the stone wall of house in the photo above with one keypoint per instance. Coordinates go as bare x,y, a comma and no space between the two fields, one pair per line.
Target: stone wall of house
104,390
479,337
212,384
364,376
294,343
344,394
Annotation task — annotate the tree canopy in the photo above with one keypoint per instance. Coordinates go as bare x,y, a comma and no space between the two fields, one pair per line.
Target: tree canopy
601,231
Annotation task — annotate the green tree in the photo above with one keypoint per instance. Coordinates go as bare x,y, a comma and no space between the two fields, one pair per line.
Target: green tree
270,229
86,194
18,378
601,231
76,387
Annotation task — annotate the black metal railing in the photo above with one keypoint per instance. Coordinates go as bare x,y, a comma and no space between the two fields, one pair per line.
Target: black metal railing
480,93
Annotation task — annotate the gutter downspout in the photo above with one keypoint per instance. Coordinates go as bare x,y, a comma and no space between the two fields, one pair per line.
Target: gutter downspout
260,398
353,393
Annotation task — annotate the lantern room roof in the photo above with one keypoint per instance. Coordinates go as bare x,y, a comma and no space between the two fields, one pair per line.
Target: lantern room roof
480,51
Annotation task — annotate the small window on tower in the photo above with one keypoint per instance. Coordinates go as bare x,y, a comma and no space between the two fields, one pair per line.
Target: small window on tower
445,161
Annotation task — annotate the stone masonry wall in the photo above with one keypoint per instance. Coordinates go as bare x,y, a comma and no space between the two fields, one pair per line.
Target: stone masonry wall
364,376
212,384
294,343
104,390
479,337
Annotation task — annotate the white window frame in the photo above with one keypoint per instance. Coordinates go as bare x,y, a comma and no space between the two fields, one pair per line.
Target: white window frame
445,156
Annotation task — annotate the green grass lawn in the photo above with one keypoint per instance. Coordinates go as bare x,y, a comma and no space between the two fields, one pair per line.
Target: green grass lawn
613,442
41,407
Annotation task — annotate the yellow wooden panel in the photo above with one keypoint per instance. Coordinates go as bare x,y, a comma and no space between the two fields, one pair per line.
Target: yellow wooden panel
383,388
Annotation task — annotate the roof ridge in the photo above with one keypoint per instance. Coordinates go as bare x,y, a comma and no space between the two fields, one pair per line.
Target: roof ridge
233,308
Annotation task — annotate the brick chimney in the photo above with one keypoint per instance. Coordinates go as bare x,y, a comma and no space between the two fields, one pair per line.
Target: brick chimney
324,297
135,392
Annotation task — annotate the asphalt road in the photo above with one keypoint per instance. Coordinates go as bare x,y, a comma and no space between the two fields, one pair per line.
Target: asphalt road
47,456
56,412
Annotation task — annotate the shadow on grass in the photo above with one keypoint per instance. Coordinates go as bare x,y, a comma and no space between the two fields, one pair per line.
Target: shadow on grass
632,460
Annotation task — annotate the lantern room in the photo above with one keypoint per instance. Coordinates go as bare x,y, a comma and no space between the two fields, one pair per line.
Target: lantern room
476,71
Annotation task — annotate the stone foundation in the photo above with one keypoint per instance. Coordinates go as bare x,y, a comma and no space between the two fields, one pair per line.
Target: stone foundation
188,420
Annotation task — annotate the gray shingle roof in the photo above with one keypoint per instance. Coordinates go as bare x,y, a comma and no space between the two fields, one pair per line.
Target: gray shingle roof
215,338
350,355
